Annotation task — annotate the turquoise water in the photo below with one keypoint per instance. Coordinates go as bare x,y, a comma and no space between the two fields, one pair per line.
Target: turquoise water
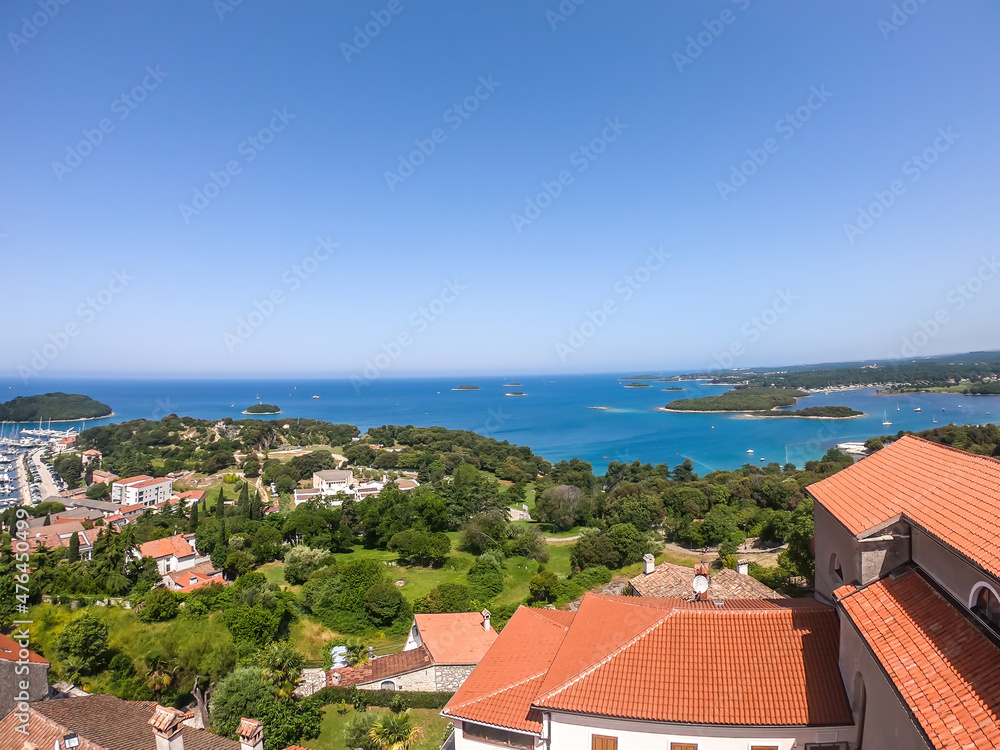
553,418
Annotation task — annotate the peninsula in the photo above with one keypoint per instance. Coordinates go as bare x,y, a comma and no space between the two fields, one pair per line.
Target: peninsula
760,402
58,407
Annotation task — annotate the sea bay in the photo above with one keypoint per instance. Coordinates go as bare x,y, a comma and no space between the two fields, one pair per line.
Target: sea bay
558,417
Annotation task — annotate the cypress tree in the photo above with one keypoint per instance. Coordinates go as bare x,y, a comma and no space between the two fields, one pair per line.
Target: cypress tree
244,501
193,521
48,520
74,548
220,513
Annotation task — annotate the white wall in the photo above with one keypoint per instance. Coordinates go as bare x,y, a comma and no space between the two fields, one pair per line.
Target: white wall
571,732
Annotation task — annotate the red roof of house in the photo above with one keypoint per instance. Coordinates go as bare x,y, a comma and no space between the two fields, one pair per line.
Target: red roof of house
455,638
133,480
945,670
500,690
9,649
381,668
192,494
953,495
152,482
131,508
171,545
752,662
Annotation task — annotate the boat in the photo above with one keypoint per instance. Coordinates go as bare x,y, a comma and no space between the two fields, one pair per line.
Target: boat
885,418
918,409
935,420
749,450
315,396
897,407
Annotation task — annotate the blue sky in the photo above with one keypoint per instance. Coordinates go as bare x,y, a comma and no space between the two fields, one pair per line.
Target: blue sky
653,254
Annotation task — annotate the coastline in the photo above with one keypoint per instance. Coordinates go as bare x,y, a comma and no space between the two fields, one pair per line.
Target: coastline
743,414
261,413
60,421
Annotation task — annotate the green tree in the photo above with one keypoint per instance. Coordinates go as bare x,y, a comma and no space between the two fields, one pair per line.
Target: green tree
559,506
393,731
193,520
383,602
798,558
83,644
301,562
159,605
545,587
74,548
445,597
98,490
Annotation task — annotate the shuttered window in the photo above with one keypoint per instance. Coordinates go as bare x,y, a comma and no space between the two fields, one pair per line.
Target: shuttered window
600,742
683,746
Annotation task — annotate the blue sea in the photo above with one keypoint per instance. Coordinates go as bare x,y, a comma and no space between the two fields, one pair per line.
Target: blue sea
556,417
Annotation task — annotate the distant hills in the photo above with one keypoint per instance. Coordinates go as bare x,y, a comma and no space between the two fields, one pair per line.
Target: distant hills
59,407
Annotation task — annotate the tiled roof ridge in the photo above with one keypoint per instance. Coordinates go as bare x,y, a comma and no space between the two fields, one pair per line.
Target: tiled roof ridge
497,692
540,613
925,441
594,666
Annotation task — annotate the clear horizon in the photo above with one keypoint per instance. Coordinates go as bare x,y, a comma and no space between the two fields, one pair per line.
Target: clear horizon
250,190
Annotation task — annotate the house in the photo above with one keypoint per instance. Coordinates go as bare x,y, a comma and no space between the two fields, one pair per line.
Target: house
98,475
190,497
173,553
195,577
669,581
99,505
19,665
640,672
70,514
104,722
333,481
141,490
90,455
64,445
440,653
58,535
907,546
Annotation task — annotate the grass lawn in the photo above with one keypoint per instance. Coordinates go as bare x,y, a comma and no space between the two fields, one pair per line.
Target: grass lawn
331,735
310,638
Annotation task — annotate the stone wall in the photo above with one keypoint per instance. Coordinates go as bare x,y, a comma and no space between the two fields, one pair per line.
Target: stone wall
422,681
449,678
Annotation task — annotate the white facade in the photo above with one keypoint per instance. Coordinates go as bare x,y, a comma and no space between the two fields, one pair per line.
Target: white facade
332,481
576,732
148,492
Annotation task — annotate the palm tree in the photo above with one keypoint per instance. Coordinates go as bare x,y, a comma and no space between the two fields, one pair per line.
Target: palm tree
160,677
393,731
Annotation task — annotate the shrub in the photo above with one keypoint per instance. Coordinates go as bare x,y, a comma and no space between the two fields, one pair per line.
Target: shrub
302,562
360,699
383,602
485,577
545,587
159,605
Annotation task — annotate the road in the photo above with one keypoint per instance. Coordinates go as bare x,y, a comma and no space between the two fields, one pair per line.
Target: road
23,486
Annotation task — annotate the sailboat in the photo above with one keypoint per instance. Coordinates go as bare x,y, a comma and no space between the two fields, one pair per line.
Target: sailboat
885,418
897,406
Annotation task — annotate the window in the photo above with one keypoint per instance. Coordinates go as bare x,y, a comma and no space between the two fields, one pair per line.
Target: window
498,736
600,742
986,604
836,570
387,685
682,746
764,747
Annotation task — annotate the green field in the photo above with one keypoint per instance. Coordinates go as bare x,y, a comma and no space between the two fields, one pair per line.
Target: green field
332,730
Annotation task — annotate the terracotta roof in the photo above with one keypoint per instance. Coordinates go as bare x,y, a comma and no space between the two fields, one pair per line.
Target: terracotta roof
455,638
675,582
9,649
151,482
501,688
951,494
193,494
381,668
133,480
945,670
171,545
753,662
103,722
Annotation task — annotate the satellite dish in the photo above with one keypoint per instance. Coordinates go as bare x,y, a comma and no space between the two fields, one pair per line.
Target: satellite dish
700,584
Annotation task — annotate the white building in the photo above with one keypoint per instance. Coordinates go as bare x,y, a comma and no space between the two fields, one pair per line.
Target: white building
172,553
333,481
142,490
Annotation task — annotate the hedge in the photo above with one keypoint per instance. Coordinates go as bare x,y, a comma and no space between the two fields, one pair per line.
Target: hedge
383,698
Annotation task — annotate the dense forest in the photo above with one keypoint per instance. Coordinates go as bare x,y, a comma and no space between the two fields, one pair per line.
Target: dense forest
54,406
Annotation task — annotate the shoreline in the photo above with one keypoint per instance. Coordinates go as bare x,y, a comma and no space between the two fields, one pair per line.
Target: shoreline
60,421
743,414
261,413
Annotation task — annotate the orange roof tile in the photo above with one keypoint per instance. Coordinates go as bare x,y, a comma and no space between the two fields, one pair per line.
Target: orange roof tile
171,545
676,581
945,670
951,494
455,638
132,480
9,649
381,668
739,664
500,689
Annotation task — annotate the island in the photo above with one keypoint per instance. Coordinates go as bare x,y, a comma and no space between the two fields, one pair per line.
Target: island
641,377
57,407
515,393
672,388
511,385
636,385
760,402
814,412
262,409
466,388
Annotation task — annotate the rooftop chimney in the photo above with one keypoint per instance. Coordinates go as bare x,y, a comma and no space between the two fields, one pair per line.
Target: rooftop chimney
250,734
166,724
648,564
486,620
743,567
